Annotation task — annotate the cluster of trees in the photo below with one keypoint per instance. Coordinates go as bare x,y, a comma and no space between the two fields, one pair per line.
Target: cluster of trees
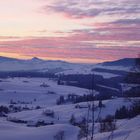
82,124
133,92
14,108
108,124
74,99
85,81
4,109
60,100
81,80
90,97
130,112
82,98
134,75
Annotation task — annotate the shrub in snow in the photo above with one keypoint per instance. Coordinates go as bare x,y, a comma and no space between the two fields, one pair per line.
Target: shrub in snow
61,100
4,109
108,124
59,136
83,128
72,120
38,107
82,124
100,104
15,120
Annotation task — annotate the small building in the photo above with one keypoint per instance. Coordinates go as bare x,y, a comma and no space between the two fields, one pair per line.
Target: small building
82,106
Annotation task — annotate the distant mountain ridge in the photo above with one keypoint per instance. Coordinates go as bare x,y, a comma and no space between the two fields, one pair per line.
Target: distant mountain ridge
37,64
7,59
34,59
122,62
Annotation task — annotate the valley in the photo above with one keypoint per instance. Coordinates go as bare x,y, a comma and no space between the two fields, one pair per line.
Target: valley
58,106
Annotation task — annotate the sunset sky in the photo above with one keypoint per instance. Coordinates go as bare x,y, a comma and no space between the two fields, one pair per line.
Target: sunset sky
87,31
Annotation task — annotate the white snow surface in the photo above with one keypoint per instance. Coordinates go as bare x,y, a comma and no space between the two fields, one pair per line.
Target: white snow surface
28,89
10,131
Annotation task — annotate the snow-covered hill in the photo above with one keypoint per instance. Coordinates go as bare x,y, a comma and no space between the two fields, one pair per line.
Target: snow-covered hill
33,100
127,129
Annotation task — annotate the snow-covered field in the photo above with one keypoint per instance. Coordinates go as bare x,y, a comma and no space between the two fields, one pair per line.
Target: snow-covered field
28,89
10,131
29,92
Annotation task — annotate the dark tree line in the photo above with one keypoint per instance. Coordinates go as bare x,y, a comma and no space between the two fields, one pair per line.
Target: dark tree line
133,92
134,75
125,112
83,98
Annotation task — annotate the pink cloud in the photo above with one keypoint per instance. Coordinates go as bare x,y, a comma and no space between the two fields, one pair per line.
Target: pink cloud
69,47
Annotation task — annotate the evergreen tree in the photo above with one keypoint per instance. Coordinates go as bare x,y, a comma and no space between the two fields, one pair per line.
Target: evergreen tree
72,120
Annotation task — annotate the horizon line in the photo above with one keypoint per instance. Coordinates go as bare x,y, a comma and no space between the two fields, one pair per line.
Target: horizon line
43,59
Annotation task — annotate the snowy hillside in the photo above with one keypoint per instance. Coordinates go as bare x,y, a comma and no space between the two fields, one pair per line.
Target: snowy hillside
59,107
34,100
10,131
126,130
